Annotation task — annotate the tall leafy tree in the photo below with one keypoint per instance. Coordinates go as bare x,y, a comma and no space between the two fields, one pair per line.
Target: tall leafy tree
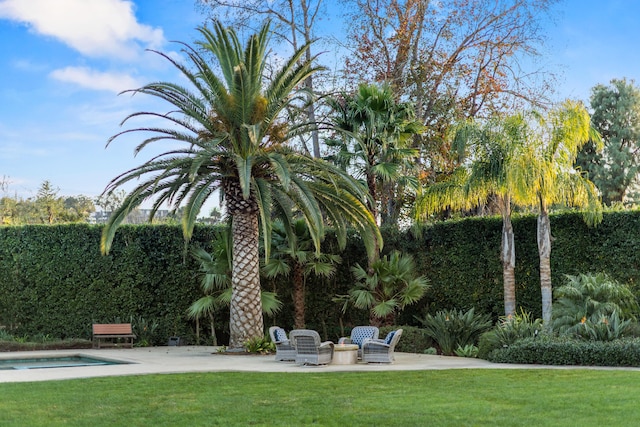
546,173
616,116
229,136
455,59
374,143
492,149
46,208
77,208
48,203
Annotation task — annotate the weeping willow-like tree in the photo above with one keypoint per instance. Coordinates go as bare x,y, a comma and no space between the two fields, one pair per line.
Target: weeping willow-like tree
526,160
491,149
546,172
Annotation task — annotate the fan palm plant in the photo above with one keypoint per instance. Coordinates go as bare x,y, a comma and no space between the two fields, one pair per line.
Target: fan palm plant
230,136
386,287
294,256
375,142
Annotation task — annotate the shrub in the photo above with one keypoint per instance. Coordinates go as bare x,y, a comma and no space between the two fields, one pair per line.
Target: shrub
451,329
588,300
548,350
144,330
508,331
608,328
260,345
413,339
468,350
633,330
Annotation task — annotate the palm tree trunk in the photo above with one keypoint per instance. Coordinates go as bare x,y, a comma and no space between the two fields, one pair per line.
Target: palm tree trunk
508,257
373,192
544,252
214,337
298,296
373,207
246,320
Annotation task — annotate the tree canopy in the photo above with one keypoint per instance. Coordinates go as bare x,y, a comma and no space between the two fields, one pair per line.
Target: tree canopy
616,116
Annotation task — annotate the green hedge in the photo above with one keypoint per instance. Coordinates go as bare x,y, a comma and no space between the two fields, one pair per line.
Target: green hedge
413,339
564,351
461,259
54,281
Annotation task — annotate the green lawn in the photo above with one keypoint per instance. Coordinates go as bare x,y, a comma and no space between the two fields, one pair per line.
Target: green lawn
417,398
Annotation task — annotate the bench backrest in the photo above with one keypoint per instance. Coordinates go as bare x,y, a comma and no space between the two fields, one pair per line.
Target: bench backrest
112,329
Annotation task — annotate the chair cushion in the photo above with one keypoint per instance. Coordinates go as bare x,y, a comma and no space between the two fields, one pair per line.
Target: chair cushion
280,335
389,337
359,333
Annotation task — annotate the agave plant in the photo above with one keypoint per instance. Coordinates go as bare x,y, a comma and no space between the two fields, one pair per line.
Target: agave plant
608,328
452,329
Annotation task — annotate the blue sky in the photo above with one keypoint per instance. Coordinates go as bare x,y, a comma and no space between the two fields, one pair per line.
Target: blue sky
63,62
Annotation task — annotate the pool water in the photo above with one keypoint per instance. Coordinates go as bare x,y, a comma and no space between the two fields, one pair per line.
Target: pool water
54,362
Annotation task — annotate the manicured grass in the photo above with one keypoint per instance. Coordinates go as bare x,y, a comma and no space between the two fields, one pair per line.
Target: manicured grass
418,398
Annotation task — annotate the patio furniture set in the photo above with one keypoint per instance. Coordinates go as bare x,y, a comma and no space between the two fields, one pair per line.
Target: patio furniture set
304,346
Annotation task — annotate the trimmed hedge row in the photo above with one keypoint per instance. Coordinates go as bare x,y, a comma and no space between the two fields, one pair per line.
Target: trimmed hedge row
564,351
54,281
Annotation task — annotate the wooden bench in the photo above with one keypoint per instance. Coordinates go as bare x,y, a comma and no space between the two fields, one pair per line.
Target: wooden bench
113,333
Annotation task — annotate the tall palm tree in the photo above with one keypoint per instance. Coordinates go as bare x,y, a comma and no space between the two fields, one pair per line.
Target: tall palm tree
374,140
488,175
216,268
233,139
546,171
294,255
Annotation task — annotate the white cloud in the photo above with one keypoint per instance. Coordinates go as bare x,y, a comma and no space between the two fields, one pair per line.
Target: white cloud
97,28
96,80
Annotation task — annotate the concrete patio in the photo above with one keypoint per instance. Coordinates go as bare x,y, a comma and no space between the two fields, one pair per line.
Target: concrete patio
181,359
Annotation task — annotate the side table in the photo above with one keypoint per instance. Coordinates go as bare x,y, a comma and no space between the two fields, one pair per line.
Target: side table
345,354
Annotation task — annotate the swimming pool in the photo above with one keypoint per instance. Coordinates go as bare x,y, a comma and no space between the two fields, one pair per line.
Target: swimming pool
55,362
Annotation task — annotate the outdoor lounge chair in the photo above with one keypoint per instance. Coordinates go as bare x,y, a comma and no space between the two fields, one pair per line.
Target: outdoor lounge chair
309,349
358,335
381,351
285,351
